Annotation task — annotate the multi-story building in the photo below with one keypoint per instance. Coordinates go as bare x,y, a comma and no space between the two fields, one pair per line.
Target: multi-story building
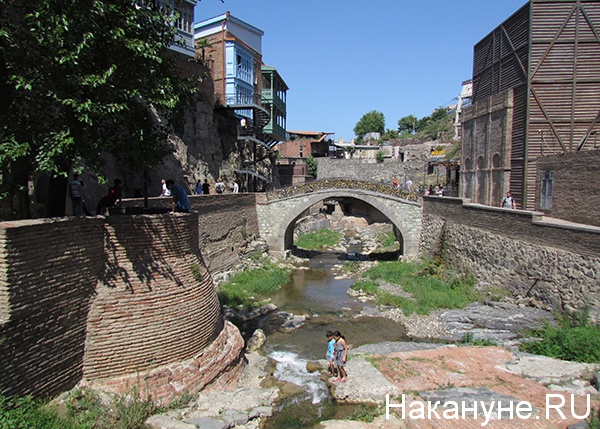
536,95
302,144
232,49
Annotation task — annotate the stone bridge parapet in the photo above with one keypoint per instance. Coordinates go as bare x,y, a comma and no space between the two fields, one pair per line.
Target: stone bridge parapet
326,184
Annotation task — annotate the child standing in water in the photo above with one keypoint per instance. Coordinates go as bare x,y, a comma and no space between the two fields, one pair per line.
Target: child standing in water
330,349
341,354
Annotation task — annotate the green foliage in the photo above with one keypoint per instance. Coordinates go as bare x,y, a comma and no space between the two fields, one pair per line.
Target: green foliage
248,287
131,411
82,409
25,413
196,272
574,339
365,413
82,78
468,339
389,135
439,122
594,421
367,286
318,239
371,122
388,243
379,157
431,286
350,266
407,124
312,165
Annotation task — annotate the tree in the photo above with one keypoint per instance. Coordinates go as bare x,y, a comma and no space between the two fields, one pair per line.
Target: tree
371,122
80,78
390,134
407,123
312,164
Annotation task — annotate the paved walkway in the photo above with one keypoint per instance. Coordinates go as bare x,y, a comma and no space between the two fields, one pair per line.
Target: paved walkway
465,375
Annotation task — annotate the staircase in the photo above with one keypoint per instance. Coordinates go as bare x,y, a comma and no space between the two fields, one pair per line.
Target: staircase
253,131
261,114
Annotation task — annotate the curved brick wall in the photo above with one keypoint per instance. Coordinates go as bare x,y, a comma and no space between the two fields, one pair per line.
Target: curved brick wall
155,302
48,272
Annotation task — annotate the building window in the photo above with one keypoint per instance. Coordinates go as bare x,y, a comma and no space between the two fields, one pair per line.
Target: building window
547,190
244,62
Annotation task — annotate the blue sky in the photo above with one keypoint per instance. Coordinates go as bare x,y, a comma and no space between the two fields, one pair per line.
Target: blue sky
342,59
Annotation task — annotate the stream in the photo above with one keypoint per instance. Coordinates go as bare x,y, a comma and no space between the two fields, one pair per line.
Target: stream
317,290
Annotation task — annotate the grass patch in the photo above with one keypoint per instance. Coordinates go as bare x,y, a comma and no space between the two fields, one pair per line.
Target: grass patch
82,409
388,243
351,266
249,287
594,421
431,285
319,239
366,286
574,339
365,413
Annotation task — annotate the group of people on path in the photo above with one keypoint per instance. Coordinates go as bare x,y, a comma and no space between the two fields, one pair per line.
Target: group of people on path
337,354
77,195
203,188
396,185
181,202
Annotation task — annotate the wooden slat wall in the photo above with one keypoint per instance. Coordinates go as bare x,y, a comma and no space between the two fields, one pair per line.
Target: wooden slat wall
564,80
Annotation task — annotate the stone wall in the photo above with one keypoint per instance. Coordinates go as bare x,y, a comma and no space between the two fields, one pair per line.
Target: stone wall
413,167
556,263
576,195
226,223
98,298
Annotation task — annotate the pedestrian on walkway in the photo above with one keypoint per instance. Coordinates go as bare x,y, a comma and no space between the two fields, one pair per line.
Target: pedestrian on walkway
181,202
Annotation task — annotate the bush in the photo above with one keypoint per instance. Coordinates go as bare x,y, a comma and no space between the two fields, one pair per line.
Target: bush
575,339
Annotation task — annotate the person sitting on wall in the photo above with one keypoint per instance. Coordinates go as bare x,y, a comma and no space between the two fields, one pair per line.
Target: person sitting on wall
110,200
181,202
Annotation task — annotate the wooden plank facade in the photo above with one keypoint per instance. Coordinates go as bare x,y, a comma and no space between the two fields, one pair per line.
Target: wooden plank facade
545,61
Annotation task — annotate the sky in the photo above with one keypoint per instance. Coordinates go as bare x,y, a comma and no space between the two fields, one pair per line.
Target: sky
342,59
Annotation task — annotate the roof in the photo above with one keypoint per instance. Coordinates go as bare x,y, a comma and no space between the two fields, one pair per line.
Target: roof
309,133
320,134
223,17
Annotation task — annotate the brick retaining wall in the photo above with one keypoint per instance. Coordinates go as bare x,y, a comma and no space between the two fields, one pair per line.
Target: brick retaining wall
49,271
575,192
155,302
106,297
226,223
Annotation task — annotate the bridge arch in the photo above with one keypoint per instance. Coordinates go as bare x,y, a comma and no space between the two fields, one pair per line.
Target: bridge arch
277,217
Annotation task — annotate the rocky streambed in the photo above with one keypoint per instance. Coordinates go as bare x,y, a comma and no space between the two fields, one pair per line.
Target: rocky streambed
435,363
442,367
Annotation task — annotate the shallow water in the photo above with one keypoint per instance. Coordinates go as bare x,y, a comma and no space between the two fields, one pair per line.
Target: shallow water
318,291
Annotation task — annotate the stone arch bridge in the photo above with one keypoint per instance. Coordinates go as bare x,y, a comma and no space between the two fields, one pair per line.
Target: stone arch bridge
279,210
